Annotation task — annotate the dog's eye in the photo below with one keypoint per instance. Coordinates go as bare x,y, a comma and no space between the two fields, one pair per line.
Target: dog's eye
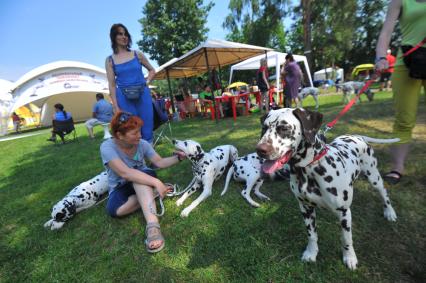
264,129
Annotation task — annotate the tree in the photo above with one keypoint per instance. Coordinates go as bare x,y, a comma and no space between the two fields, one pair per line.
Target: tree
257,22
170,28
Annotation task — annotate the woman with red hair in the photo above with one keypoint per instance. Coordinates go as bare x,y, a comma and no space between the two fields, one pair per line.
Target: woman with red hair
131,182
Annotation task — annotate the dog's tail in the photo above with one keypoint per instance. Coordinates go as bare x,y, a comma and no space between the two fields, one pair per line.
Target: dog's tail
228,179
374,140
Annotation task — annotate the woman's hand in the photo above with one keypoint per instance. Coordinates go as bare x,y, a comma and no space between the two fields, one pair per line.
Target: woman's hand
180,155
163,189
382,64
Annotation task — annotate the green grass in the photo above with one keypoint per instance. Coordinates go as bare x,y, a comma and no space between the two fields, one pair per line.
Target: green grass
224,239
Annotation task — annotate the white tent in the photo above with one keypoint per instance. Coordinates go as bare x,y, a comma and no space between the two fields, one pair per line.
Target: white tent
321,74
73,84
275,59
6,101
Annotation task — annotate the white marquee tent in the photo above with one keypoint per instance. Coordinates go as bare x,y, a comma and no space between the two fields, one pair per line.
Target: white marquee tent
321,74
74,84
275,59
6,101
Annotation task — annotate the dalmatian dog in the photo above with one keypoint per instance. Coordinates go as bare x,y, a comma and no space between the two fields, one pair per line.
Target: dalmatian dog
309,91
81,197
206,166
348,88
321,175
248,169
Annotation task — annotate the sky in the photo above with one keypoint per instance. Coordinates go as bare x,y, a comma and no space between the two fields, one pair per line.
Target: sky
38,32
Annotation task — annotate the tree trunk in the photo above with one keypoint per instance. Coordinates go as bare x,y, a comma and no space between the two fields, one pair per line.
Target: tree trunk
307,40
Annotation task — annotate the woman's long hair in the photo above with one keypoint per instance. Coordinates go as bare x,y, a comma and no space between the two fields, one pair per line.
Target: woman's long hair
113,34
61,108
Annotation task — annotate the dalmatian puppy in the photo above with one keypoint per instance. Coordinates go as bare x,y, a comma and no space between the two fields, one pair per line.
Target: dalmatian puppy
206,166
81,197
309,91
351,87
320,175
248,169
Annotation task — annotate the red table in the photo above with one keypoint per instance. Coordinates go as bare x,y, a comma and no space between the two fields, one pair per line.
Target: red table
234,99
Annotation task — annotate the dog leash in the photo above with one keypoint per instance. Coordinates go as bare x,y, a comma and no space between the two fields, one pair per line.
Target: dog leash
172,193
348,106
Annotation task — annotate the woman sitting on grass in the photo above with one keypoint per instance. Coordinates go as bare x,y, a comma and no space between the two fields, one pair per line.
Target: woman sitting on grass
131,182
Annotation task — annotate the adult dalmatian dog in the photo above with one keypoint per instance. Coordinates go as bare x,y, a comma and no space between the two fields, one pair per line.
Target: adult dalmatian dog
348,88
248,169
305,92
321,175
81,197
206,167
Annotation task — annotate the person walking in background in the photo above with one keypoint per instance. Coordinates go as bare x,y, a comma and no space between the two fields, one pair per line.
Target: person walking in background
338,77
406,90
126,80
293,77
16,122
263,84
385,75
59,115
131,183
102,113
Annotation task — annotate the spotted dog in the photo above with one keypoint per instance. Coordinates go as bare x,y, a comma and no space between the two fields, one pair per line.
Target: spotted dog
206,166
320,175
313,91
348,88
248,169
81,197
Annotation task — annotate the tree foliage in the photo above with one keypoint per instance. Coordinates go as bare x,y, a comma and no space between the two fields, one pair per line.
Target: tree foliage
170,28
257,22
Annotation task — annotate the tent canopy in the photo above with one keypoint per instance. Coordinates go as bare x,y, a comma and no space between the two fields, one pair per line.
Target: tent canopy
219,53
275,59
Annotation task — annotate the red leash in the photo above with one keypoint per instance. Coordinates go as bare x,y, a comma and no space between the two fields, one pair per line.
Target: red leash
350,104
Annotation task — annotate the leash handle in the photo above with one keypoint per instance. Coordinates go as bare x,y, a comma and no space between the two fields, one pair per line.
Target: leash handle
151,207
348,106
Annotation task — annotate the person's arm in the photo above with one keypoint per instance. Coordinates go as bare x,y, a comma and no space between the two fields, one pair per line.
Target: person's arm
264,78
392,16
144,61
111,83
165,162
136,176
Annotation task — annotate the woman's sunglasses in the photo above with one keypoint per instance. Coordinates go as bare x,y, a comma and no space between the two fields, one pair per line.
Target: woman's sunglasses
124,117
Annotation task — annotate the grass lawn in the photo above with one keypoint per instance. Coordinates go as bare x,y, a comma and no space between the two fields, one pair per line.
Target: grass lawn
223,239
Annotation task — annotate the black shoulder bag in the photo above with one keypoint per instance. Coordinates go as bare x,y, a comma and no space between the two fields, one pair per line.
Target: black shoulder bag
415,60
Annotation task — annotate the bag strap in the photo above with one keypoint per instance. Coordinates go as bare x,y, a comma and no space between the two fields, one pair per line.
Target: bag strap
418,45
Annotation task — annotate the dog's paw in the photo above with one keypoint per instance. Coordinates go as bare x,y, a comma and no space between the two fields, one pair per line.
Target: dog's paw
179,202
390,214
48,223
262,197
309,256
350,261
185,212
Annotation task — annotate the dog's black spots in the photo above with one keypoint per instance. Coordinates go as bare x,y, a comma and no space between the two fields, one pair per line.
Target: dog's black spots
353,152
317,192
345,195
344,225
385,206
368,150
328,160
388,202
91,184
346,247
80,196
337,173
328,179
374,183
332,191
368,173
320,170
207,163
242,172
342,210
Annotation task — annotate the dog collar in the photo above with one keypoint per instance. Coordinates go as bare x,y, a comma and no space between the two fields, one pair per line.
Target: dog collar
320,155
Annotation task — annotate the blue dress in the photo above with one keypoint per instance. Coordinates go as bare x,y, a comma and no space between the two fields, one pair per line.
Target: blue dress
130,74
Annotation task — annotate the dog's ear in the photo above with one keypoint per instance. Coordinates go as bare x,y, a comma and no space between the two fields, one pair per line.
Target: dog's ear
311,122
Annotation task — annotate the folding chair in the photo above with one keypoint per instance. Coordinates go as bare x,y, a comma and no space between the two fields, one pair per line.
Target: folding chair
65,130
161,121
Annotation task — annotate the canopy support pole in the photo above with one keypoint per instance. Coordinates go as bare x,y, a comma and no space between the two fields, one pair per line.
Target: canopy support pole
211,84
170,91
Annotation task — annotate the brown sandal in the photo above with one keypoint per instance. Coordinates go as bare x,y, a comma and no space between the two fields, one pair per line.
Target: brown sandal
157,236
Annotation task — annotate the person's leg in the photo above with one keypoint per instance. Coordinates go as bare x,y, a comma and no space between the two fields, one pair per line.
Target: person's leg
89,126
406,97
146,113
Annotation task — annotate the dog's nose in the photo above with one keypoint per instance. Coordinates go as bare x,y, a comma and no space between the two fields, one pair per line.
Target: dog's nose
263,149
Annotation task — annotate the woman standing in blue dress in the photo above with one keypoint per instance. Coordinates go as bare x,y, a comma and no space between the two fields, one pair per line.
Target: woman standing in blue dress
124,69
